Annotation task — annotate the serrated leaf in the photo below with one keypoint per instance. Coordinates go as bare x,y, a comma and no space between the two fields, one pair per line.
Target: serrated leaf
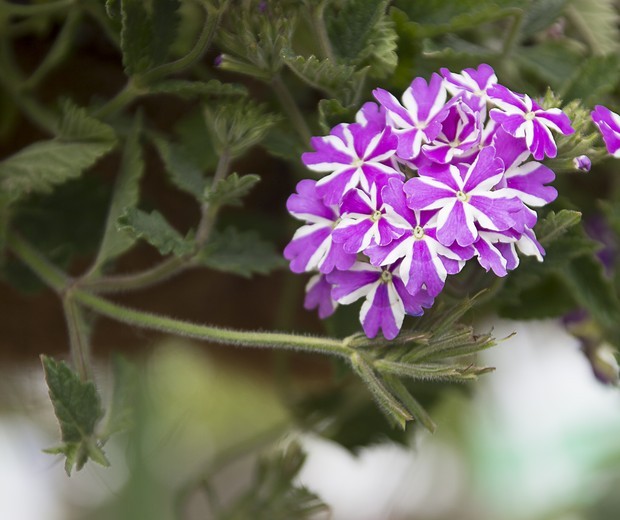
597,20
554,225
350,25
194,141
241,253
337,80
126,195
230,190
238,125
37,168
156,230
552,61
380,51
77,407
136,37
191,89
43,165
181,170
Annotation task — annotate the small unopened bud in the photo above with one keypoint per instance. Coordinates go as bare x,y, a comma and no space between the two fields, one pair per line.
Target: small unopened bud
218,60
262,6
582,163
604,364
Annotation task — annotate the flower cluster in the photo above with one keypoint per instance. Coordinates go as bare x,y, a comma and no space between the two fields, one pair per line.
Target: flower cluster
415,188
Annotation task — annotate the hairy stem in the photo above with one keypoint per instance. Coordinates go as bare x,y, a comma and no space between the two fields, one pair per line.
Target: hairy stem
208,211
118,102
78,337
147,320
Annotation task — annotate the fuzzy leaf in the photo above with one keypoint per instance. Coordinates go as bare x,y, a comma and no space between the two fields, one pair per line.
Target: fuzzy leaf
77,125
77,407
156,230
331,113
586,83
541,15
230,190
192,89
434,17
126,195
241,253
554,225
165,23
181,170
551,61
236,126
598,19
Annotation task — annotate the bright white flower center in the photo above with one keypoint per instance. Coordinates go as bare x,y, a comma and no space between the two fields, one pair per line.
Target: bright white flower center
376,215
386,277
529,116
357,162
418,233
462,196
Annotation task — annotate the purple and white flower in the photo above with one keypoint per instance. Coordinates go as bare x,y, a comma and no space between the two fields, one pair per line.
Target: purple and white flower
425,261
352,155
387,301
319,296
362,221
419,120
473,84
582,163
312,246
608,123
496,251
464,198
520,116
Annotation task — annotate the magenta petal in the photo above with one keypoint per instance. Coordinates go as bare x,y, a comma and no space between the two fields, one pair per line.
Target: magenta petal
351,282
458,227
318,295
421,194
301,250
379,315
490,258
306,202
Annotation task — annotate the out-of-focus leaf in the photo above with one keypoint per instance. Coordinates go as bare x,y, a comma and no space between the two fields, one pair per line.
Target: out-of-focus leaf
586,83
191,89
126,195
121,412
332,112
597,21
156,230
551,61
540,15
241,253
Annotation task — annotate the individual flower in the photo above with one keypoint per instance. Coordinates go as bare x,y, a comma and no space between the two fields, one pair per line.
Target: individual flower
608,123
312,246
582,163
496,251
352,155
459,133
464,198
419,120
472,83
319,296
362,221
425,262
520,116
387,301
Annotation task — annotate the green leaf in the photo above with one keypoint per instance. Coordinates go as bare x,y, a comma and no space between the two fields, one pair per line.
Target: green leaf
148,31
230,190
586,83
77,407
434,17
236,126
273,494
594,291
241,253
37,168
126,195
597,21
541,15
551,61
331,113
380,51
337,80
192,89
182,171
120,416
156,230
194,141
554,225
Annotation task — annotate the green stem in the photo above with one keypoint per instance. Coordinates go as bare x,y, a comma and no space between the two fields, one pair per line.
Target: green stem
12,9
140,280
318,23
147,320
50,274
208,211
118,102
204,41
58,51
290,107
513,34
78,337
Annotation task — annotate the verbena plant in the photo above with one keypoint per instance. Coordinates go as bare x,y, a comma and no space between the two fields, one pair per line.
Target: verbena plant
247,74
